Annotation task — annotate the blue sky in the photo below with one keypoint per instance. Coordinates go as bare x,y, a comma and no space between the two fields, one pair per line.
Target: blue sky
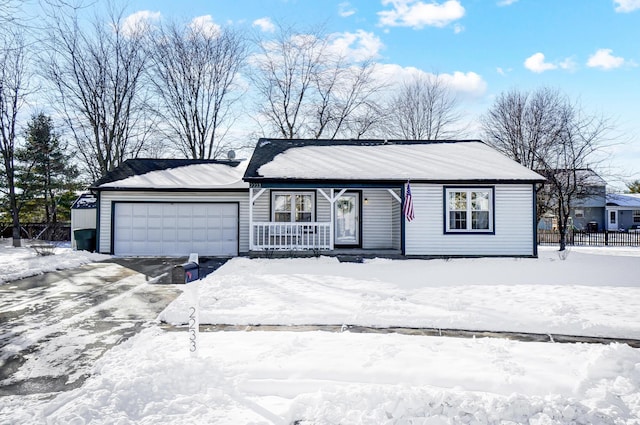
589,49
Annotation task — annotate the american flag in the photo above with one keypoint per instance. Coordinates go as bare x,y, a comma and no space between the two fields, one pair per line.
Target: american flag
408,204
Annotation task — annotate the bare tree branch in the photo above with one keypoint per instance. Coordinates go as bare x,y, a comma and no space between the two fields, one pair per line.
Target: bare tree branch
194,74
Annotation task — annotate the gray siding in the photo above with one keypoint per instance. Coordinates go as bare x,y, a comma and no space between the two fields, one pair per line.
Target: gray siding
377,219
513,224
108,197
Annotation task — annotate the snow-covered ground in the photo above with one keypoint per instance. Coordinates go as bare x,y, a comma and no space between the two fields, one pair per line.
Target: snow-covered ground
350,378
18,263
586,294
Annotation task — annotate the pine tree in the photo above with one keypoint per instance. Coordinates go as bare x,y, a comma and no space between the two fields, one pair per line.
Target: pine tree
45,170
634,186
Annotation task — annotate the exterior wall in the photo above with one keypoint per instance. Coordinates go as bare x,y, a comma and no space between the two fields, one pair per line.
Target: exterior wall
377,219
591,214
513,224
108,197
625,219
82,218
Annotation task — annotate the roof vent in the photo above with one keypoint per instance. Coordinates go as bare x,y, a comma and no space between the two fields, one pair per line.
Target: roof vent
231,155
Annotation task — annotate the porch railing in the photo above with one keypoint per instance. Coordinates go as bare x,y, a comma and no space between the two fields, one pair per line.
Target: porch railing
291,236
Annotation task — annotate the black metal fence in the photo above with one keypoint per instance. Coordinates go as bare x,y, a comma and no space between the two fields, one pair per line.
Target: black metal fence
580,238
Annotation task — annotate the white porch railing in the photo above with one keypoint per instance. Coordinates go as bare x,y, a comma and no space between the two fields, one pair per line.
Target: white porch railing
291,236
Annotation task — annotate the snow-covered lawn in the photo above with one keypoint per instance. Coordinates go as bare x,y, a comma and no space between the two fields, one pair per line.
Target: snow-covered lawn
18,263
350,378
593,292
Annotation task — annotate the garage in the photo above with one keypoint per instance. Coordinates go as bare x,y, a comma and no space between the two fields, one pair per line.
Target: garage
175,228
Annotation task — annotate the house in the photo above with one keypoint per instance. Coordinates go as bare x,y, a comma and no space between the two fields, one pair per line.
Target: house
323,196
587,211
345,195
623,211
172,207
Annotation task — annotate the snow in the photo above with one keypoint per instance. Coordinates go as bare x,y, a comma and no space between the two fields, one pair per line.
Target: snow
195,176
631,200
18,263
585,294
432,161
314,377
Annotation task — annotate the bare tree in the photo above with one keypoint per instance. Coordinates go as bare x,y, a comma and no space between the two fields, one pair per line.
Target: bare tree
13,89
524,126
194,73
307,88
97,69
550,134
425,108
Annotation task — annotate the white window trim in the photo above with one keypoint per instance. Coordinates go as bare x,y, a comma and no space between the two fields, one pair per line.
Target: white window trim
469,190
293,204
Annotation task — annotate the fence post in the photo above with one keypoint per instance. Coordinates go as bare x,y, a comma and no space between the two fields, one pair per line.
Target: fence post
606,237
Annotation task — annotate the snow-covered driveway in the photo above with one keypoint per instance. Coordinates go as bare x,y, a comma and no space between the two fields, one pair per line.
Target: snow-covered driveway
54,326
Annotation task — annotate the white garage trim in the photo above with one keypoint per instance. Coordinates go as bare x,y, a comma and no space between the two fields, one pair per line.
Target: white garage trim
148,228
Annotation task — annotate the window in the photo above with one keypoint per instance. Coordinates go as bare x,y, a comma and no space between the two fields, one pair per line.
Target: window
469,210
292,207
579,213
636,216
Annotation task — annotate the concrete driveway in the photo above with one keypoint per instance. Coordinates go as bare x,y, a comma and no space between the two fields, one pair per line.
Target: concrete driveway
53,327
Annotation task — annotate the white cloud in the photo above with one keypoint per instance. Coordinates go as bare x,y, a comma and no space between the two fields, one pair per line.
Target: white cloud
464,84
605,60
264,24
417,14
206,25
506,2
536,63
626,6
357,46
457,28
139,22
345,9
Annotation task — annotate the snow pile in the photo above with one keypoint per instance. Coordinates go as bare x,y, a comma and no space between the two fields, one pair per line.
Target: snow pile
586,294
328,378
18,263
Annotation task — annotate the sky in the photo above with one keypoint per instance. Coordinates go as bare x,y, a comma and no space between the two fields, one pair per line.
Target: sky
587,49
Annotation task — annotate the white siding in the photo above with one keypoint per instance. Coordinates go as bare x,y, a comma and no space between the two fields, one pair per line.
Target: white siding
377,219
513,224
82,218
108,197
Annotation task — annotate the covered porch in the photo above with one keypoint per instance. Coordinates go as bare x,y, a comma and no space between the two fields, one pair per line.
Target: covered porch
330,220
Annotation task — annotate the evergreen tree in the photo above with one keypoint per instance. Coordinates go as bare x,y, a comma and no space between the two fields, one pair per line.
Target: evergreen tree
45,172
634,186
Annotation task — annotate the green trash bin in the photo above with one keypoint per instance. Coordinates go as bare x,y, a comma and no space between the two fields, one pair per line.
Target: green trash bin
85,239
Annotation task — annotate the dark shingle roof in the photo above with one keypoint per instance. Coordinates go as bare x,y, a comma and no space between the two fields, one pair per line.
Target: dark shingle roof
139,166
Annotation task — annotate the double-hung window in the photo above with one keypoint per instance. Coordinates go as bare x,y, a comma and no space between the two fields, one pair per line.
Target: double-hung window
468,210
292,207
636,216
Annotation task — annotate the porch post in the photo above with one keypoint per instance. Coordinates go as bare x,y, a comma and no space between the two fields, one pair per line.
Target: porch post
250,219
333,212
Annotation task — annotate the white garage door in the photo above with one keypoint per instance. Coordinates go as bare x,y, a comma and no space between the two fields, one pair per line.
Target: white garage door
175,229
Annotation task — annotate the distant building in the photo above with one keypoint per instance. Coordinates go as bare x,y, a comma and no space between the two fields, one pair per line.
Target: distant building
623,211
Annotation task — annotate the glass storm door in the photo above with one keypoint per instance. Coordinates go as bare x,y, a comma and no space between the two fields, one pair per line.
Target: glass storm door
347,228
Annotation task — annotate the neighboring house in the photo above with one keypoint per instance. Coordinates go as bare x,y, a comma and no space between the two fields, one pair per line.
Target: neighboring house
173,207
623,211
323,196
345,195
587,211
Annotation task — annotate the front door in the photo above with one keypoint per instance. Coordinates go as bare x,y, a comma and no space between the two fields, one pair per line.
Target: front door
347,225
613,220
